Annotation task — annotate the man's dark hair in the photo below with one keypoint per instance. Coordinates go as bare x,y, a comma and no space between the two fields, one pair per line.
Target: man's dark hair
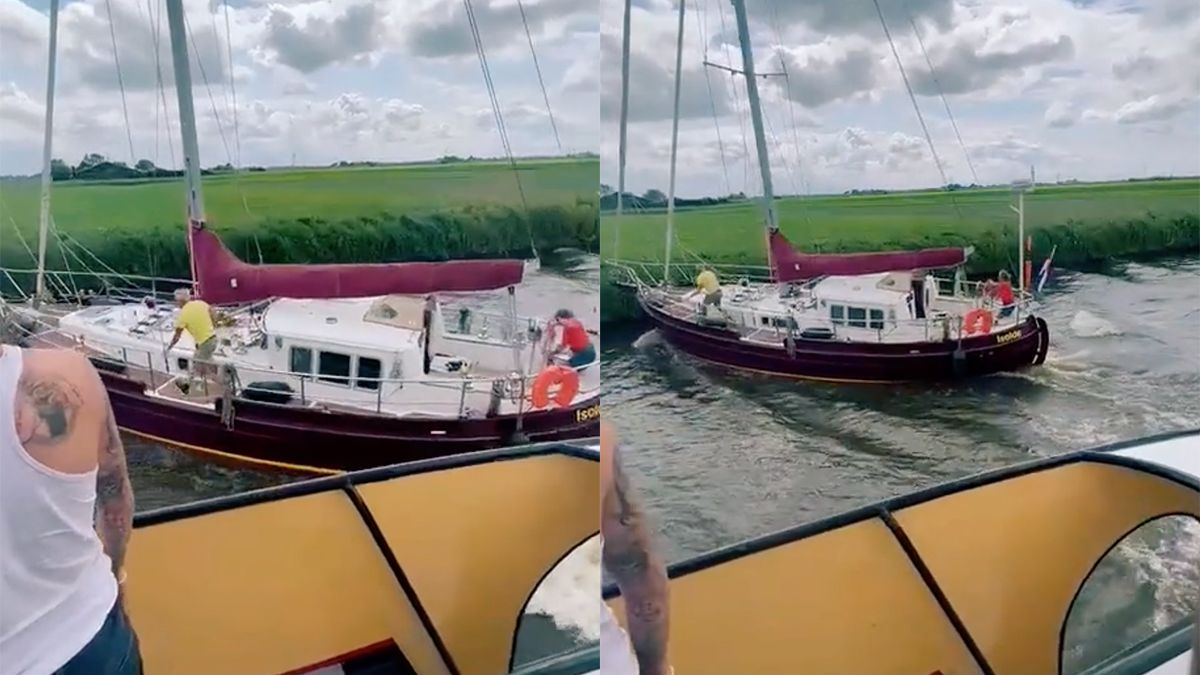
564,314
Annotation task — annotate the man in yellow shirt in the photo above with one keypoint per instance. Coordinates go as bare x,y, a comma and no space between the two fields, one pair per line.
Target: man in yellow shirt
196,317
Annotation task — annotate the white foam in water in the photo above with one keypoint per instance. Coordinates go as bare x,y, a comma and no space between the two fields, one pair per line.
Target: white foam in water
570,593
648,339
1086,324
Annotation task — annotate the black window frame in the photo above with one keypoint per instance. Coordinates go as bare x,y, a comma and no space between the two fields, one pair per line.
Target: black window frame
292,359
373,382
340,380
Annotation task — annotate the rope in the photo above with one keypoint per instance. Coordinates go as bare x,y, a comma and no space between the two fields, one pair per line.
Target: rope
538,68
912,97
499,115
112,32
933,74
791,110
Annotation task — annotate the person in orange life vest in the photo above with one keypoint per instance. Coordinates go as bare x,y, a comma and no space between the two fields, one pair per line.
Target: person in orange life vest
574,339
1004,294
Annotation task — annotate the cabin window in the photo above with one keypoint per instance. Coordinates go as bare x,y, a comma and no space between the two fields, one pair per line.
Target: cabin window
182,363
334,368
301,358
876,319
368,373
837,314
856,316
1139,599
766,321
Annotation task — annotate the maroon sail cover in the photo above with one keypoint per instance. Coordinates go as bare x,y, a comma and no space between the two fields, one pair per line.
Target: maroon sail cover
221,278
788,264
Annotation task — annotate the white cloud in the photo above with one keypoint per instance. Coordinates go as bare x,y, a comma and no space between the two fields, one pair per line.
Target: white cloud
1151,109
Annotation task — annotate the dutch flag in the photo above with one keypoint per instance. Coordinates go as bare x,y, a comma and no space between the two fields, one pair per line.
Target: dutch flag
1044,273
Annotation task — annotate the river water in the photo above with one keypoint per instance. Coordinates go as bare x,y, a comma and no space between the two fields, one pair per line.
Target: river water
562,614
721,456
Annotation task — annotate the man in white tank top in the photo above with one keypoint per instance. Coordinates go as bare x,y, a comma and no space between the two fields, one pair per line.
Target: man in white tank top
66,509
630,557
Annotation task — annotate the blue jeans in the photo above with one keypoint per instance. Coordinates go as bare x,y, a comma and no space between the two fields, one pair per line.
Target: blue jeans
113,651
582,357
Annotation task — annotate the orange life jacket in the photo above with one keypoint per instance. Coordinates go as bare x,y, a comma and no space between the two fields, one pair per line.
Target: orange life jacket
575,336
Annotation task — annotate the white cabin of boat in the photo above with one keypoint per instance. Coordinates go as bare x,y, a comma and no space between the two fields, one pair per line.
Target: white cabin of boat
366,354
888,307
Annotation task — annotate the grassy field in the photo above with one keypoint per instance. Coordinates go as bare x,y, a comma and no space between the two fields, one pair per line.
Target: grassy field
1088,223
420,212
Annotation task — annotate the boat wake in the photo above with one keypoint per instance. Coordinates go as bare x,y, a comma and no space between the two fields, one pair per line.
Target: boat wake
1085,324
648,340
568,597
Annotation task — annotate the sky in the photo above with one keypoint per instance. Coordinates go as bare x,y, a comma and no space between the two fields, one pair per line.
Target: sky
320,80
1086,90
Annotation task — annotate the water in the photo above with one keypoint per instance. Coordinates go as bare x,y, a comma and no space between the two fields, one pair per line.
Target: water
722,456
562,614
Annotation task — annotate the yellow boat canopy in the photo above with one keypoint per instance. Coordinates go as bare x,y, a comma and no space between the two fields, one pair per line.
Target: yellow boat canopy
975,576
429,564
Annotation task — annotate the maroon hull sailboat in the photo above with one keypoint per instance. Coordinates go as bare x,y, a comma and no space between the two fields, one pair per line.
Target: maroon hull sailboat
328,367
859,317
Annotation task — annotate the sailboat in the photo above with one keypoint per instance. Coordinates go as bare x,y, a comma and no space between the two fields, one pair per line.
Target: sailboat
980,575
324,368
862,317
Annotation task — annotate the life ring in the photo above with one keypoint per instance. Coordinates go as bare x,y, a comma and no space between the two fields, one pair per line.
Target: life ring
978,320
567,381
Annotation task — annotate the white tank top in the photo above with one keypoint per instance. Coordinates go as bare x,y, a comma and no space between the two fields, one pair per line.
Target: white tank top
56,582
616,654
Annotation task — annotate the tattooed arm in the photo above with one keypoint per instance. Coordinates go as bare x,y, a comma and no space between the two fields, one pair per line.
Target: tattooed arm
65,422
114,495
630,556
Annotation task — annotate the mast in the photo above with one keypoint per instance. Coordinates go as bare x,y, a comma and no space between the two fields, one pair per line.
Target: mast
674,147
44,214
187,120
760,139
624,123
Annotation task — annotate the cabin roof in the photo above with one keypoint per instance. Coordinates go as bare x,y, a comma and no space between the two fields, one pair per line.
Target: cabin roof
336,322
882,289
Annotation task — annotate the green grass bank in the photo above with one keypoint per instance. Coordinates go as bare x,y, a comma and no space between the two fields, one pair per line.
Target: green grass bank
360,214
1090,224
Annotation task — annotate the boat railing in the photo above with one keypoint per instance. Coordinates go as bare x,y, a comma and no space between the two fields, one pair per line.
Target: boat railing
76,286
938,327
635,273
514,386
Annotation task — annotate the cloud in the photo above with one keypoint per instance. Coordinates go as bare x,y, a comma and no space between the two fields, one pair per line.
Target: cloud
1002,43
652,87
1152,109
1060,115
23,32
443,30
309,43
1136,66
842,16
819,74
18,111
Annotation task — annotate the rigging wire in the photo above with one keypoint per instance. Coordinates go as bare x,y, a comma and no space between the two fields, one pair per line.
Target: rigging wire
217,115
912,97
703,10
787,80
498,114
538,68
112,32
737,99
938,85
237,136
156,35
